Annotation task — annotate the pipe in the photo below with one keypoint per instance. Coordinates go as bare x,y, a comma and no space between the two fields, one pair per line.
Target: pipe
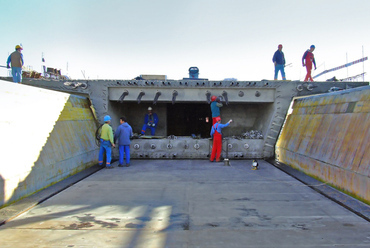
208,95
224,94
125,93
140,96
156,97
174,94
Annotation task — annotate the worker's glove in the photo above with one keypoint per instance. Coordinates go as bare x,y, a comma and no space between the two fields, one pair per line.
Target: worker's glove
219,104
7,66
153,125
149,125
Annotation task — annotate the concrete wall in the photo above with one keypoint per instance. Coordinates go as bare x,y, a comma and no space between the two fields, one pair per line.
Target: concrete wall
46,137
328,137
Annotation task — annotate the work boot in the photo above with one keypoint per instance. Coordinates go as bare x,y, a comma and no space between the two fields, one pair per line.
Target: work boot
120,165
127,165
109,167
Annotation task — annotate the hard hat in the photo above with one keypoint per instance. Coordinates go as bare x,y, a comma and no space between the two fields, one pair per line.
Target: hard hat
213,98
312,46
18,47
218,119
107,118
280,46
150,108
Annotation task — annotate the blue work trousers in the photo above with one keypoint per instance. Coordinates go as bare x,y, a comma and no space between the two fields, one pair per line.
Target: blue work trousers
152,129
122,151
17,74
105,146
280,68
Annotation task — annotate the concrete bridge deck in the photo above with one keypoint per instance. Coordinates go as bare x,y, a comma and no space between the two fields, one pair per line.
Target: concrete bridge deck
187,203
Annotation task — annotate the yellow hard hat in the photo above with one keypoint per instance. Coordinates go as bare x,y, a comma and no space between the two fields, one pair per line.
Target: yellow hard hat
18,47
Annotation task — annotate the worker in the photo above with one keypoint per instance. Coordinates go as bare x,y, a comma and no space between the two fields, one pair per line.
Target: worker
150,121
16,61
215,108
217,139
307,61
106,142
122,136
279,62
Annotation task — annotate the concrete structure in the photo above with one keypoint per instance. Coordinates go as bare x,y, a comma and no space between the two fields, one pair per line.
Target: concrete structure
184,203
328,137
183,110
47,137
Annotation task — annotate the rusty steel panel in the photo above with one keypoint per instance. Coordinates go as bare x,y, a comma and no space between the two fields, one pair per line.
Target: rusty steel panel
328,137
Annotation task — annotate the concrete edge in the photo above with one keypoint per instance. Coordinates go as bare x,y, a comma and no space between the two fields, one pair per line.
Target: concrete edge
359,208
10,212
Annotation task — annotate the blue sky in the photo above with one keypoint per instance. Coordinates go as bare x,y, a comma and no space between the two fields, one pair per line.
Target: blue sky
121,39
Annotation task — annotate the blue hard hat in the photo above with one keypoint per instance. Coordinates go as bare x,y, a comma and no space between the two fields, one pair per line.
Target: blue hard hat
312,46
107,118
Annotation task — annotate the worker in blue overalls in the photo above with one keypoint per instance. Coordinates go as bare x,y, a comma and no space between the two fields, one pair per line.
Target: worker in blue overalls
150,121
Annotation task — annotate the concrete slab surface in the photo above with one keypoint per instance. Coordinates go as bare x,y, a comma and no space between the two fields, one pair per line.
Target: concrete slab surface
187,203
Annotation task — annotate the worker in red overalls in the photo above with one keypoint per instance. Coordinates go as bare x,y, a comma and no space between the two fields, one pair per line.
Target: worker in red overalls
307,61
217,139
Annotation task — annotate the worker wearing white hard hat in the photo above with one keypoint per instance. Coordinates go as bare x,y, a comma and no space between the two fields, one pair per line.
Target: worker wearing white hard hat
15,59
150,121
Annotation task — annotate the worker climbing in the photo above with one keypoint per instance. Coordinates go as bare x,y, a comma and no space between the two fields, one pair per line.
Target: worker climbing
215,108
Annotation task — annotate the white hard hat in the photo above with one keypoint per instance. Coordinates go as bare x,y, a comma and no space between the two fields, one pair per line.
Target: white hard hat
150,108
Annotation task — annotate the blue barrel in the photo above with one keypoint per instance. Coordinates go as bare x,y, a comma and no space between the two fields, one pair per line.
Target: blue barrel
193,72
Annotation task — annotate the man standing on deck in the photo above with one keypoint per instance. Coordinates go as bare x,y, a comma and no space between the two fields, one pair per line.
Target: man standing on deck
106,142
150,121
307,61
217,139
123,135
279,62
16,61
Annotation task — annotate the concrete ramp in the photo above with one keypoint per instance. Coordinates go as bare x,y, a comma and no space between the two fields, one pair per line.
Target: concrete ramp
327,137
47,136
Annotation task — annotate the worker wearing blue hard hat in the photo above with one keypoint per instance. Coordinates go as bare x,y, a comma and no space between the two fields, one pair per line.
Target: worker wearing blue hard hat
106,142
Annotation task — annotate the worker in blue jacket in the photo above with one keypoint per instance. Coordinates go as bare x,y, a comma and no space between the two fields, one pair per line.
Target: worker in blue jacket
279,62
122,136
150,121
16,61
